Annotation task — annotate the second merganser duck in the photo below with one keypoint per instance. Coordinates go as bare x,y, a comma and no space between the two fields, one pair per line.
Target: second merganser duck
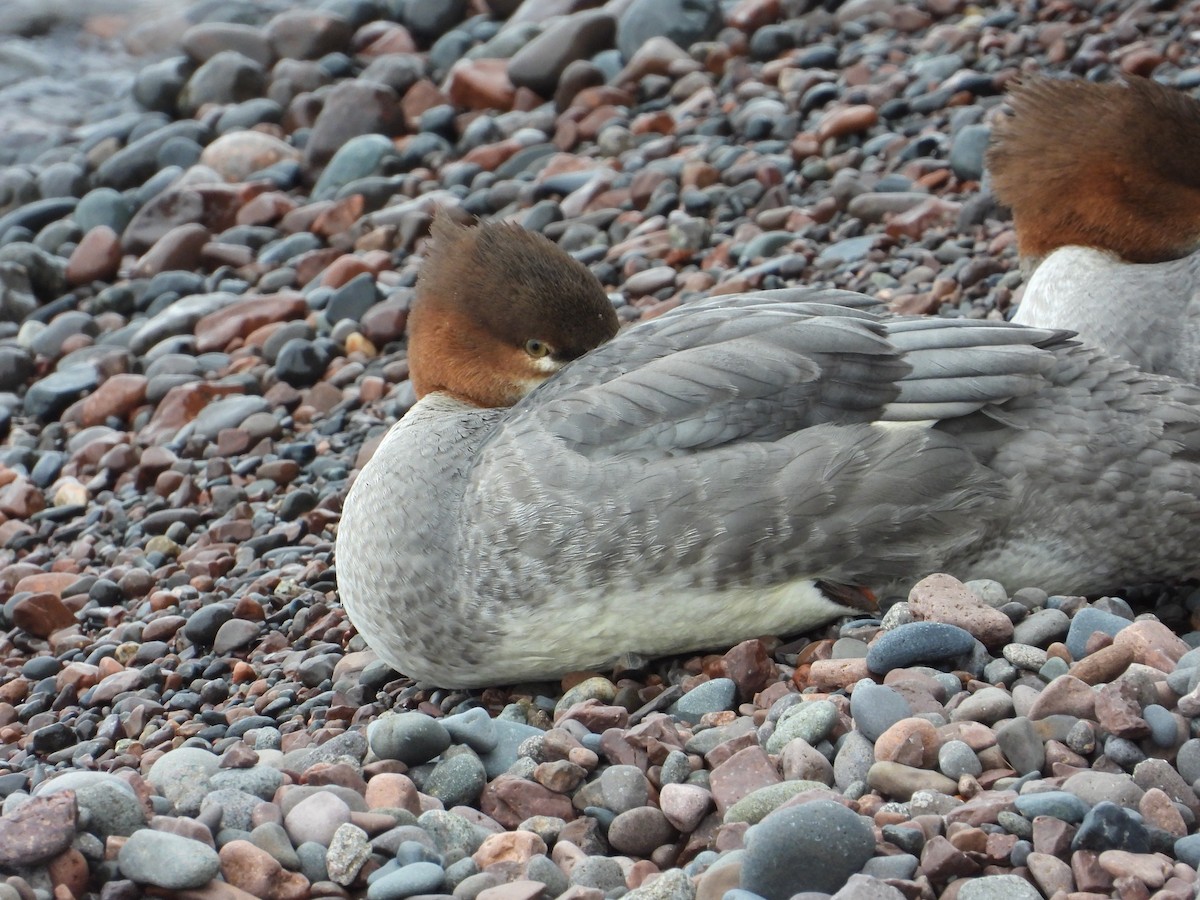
1104,184
717,473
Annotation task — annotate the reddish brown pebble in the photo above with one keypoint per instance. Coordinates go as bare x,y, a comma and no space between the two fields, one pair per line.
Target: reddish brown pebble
97,257
42,615
846,120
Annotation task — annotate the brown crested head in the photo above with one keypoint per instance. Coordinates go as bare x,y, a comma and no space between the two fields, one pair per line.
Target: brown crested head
498,310
1114,166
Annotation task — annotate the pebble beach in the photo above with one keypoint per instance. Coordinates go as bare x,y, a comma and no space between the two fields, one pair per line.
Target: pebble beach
212,214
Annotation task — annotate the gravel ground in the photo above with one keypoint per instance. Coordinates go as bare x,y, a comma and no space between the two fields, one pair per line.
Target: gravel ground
211,218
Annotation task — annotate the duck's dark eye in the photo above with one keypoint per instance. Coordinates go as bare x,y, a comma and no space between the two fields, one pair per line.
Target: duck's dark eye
537,349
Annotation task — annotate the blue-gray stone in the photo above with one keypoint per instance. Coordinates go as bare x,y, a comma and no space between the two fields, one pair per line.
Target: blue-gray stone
1021,744
1057,804
956,759
349,746
967,150
37,215
1187,850
846,250
716,695
1122,751
600,872
1088,621
910,840
1042,627
182,775
623,788
284,249
178,318
685,22
300,363
902,866
359,157
509,737
16,365
137,163
876,707
272,837
429,21
236,808
411,737
408,881
855,756
474,728
918,642
48,397
1110,827
312,861
451,833
1187,760
110,803
228,412
167,860
457,780
260,781
766,245
998,887
227,77
1163,728
820,829
812,721
352,299
104,206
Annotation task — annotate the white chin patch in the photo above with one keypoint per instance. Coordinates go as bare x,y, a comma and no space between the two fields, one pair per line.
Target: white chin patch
546,364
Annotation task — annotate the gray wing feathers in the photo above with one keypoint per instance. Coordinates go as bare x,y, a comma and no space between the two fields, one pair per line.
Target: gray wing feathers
794,439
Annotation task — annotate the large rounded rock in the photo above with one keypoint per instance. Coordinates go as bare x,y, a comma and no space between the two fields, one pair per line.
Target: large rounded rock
228,77
168,860
684,22
411,737
816,846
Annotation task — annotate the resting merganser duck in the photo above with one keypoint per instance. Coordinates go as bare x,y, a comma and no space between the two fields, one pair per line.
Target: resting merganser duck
1104,184
726,470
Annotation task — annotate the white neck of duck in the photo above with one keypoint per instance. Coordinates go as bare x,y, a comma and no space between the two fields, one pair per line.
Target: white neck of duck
1146,313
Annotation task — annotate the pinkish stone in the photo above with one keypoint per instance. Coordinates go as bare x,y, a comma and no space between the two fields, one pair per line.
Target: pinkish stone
253,870
218,329
1065,695
116,398
480,84
910,742
846,120
511,800
238,154
685,805
316,818
1152,644
38,830
1151,869
96,257
1158,810
179,248
1118,711
522,889
943,598
1050,873
509,846
42,615
212,205
742,773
